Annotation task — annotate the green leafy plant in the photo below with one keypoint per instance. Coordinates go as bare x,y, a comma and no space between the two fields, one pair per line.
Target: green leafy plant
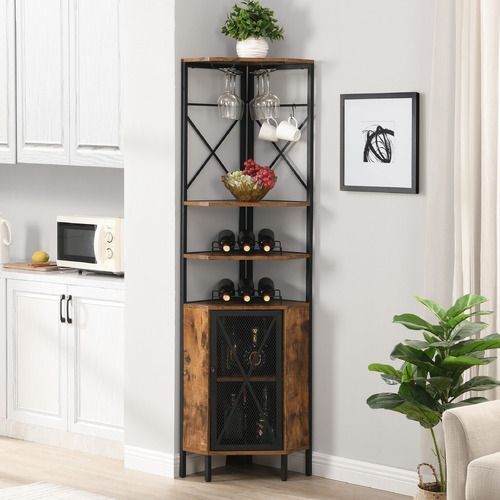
252,20
431,377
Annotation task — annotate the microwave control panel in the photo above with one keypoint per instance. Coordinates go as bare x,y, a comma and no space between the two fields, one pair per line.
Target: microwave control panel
109,242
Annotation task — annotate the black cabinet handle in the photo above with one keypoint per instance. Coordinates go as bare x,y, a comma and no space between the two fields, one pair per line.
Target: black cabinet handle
70,298
61,317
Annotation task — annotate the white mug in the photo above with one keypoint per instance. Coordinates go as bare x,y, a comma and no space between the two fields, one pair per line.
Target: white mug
268,131
5,241
289,131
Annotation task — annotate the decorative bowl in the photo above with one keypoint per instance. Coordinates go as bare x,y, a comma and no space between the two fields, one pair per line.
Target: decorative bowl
245,191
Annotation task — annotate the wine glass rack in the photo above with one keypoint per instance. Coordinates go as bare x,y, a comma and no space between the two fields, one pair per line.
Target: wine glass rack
246,369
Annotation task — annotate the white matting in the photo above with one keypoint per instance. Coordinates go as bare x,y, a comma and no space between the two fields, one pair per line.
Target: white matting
47,491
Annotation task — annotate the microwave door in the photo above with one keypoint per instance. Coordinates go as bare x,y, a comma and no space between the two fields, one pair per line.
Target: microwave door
75,242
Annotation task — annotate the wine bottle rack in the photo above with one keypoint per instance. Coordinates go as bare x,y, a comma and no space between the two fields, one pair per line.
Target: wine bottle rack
228,406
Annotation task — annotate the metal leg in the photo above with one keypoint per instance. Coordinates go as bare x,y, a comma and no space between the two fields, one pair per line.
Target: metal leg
208,468
309,468
284,467
182,464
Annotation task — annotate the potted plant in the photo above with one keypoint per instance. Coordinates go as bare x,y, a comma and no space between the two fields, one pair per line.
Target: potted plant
431,377
252,25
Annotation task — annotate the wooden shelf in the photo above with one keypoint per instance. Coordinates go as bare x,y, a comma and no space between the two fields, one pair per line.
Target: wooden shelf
236,203
240,256
220,305
248,60
249,379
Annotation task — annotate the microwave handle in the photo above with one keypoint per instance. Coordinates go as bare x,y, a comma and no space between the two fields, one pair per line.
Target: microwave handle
99,235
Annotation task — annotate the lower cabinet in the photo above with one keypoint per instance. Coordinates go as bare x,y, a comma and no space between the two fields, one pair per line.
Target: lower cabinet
65,357
246,379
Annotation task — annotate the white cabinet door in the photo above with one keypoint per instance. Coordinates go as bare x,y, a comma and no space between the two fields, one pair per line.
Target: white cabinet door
95,68
37,354
7,83
42,81
96,362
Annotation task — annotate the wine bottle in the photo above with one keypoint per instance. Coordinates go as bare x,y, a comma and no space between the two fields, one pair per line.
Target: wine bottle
266,240
264,433
254,358
225,287
266,289
245,414
226,240
246,289
246,240
233,419
232,353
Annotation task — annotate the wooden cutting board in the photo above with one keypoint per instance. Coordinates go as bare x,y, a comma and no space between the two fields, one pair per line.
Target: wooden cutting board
30,266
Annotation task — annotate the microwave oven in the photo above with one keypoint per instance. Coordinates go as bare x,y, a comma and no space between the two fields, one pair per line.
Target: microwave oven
90,243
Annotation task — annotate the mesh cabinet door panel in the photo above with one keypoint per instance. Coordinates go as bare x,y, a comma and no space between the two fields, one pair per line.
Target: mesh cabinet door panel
246,380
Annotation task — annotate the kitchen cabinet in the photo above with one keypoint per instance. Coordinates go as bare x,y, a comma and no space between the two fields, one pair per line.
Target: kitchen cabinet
96,362
65,357
42,82
37,354
95,83
68,82
7,83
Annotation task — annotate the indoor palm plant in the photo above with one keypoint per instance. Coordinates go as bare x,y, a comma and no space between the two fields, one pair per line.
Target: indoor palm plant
431,377
252,24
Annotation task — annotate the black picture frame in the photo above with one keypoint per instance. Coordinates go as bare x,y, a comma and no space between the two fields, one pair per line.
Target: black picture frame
415,142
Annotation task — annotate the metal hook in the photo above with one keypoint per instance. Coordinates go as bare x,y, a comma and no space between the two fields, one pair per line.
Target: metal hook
293,110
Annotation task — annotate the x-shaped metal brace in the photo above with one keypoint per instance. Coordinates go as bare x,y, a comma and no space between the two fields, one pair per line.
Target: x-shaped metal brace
213,151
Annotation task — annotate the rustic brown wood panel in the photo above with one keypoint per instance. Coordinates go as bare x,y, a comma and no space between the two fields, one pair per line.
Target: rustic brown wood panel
236,203
196,425
249,60
296,377
256,255
219,305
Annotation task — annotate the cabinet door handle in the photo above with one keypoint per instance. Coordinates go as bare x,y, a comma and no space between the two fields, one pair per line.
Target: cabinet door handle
70,320
61,317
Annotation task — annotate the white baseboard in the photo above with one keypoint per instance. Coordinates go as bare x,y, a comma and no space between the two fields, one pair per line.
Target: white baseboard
356,472
380,477
164,464
150,461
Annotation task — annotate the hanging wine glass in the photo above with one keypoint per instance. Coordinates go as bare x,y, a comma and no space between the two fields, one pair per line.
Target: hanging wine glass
229,104
258,109
269,104
239,108
254,103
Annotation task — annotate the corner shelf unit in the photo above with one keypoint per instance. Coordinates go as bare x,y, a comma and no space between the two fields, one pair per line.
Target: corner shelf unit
229,405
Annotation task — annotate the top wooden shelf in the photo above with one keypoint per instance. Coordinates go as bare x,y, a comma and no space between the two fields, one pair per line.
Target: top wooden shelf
248,60
236,203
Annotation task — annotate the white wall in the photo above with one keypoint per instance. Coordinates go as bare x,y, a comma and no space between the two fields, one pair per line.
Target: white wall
32,196
369,260
150,209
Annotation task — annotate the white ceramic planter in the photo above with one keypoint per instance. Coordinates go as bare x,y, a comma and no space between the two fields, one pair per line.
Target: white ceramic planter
252,47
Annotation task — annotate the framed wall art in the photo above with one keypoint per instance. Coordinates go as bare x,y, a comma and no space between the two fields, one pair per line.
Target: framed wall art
379,142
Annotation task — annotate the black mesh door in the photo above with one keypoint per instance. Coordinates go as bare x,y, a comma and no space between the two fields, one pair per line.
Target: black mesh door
246,402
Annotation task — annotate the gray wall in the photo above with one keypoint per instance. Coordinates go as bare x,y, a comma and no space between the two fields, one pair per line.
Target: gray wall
150,215
32,196
369,261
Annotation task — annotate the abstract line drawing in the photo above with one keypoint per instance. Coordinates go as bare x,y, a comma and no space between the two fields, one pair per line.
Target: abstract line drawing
378,145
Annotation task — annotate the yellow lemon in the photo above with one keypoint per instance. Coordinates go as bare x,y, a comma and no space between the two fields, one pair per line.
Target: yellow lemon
40,257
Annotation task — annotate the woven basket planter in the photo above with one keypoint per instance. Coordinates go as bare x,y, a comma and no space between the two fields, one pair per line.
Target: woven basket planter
428,491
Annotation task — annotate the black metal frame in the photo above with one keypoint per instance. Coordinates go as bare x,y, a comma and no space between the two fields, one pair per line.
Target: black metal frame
277,324
247,70
415,124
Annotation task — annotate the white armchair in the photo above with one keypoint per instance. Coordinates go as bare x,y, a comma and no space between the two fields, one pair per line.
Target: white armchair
472,440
